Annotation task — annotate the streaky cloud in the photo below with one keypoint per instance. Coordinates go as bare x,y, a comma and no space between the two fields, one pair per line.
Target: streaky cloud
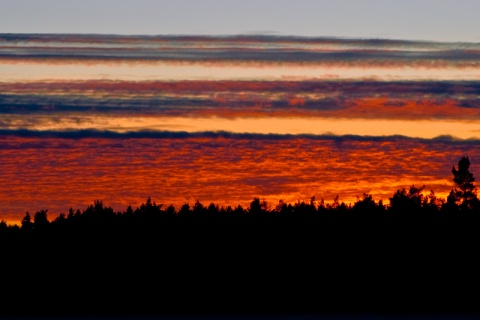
410,100
118,39
231,48
187,86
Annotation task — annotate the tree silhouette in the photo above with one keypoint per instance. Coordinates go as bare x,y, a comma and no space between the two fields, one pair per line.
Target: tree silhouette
257,206
27,223
407,202
367,208
466,194
40,220
432,203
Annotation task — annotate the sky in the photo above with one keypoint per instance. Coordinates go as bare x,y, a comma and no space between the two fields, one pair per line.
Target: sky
224,101
436,20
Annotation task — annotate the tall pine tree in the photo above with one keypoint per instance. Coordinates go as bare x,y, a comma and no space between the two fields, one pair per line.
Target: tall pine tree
466,192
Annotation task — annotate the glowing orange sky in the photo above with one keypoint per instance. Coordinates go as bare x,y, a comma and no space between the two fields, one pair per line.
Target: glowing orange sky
56,174
159,86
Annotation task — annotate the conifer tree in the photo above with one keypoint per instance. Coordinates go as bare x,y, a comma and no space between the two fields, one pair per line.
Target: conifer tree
466,192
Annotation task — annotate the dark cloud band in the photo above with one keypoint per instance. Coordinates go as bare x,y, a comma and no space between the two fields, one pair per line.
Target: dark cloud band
146,134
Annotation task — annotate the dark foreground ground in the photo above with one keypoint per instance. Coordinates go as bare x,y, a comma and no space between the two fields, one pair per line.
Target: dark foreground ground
227,272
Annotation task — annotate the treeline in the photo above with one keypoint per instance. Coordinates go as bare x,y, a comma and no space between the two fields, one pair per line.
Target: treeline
417,254
406,205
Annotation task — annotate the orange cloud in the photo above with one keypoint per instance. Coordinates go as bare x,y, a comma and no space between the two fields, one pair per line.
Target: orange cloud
59,173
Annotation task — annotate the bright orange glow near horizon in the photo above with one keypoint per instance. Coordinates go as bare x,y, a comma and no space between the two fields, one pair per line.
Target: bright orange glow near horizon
59,173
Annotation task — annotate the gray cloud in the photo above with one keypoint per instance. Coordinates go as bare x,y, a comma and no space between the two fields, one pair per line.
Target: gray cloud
230,48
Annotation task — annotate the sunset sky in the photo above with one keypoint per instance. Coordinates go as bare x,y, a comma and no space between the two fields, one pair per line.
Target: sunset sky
224,101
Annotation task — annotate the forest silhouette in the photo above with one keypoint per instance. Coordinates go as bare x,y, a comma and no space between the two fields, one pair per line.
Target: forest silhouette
416,254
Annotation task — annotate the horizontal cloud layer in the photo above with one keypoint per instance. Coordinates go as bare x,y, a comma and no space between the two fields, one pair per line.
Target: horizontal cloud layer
412,100
234,48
